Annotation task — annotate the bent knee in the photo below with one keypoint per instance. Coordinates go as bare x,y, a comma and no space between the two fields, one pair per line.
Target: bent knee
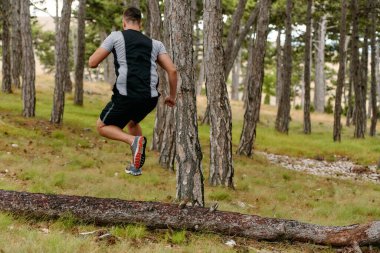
132,125
99,126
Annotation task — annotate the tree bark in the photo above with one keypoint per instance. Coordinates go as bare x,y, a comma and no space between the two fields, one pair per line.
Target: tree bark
279,67
307,72
61,63
188,150
155,32
134,3
283,112
29,71
360,117
16,56
255,82
80,60
168,144
320,79
236,78
249,71
108,64
341,73
6,86
158,215
378,70
350,109
221,169
373,69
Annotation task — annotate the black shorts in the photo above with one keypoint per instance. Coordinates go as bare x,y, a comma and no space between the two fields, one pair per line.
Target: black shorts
121,110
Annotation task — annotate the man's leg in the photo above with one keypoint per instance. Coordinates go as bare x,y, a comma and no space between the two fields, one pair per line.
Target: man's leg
134,129
114,132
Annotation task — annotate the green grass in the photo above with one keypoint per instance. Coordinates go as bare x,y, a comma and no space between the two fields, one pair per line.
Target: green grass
73,159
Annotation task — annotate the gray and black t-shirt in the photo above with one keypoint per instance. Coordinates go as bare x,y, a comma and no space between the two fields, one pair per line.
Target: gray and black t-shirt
135,63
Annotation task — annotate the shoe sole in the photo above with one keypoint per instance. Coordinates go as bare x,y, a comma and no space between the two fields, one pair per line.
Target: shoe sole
139,157
133,173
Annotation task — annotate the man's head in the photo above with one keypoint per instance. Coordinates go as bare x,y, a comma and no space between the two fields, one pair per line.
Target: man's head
131,17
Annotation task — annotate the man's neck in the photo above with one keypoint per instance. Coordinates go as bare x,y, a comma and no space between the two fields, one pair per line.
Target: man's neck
132,27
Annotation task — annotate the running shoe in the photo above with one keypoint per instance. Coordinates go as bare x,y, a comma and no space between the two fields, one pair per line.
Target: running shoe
138,151
133,171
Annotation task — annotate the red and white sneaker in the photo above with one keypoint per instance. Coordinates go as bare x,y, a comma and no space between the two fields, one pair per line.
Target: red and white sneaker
138,151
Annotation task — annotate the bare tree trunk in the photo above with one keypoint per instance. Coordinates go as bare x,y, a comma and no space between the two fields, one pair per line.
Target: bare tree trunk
283,112
279,67
378,70
188,150
148,20
80,61
249,71
231,53
56,19
6,47
255,82
200,61
159,125
61,63
341,73
350,109
168,143
373,69
103,211
232,34
320,80
307,72
16,56
221,169
108,64
360,117
28,72
364,68
135,3
69,83
236,78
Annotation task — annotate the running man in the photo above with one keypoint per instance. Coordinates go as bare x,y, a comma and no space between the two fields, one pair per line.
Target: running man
135,92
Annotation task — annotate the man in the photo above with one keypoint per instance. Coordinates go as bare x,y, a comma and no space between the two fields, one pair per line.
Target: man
135,92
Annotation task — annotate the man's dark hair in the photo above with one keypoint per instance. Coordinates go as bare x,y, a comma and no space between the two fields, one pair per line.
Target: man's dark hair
132,14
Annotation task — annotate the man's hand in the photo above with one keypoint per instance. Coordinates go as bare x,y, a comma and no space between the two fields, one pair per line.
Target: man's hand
169,101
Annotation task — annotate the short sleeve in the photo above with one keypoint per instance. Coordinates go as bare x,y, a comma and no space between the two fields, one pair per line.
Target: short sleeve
161,48
108,42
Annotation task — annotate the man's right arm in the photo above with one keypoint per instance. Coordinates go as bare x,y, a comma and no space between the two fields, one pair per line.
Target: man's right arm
166,63
97,57
102,52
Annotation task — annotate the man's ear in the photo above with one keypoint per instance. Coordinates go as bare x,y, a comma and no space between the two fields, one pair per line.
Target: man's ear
124,23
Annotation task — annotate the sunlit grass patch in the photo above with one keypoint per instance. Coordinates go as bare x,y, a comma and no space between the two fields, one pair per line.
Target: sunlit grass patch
176,237
129,231
5,221
220,195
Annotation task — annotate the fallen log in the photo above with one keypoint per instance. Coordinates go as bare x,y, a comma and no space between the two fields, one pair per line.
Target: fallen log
102,211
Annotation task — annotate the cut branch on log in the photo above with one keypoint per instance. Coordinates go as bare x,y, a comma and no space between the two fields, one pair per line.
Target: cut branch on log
102,211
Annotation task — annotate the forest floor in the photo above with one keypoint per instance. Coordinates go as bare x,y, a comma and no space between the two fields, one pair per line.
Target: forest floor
72,159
